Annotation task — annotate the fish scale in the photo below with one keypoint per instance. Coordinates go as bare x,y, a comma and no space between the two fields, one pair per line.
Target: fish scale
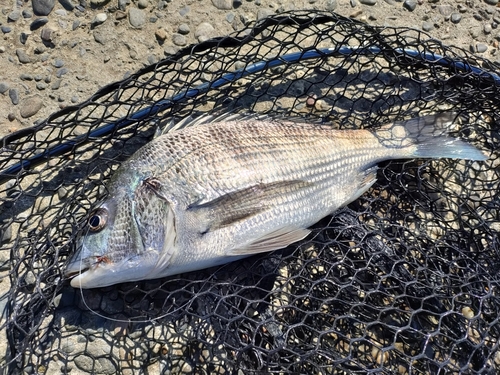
229,188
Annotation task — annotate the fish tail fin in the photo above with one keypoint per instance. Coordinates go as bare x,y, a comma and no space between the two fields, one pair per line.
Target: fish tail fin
427,137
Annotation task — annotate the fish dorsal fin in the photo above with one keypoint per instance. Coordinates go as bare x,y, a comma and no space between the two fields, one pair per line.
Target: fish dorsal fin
272,241
242,204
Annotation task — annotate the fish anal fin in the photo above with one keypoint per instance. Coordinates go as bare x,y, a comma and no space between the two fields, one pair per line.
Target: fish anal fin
368,178
272,241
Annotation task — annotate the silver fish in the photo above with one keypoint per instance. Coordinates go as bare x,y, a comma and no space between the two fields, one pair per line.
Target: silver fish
226,189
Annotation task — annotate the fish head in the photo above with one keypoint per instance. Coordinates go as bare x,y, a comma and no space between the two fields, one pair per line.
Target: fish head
124,238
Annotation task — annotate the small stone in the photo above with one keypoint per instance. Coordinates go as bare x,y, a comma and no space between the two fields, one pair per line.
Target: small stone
491,2
4,87
143,4
264,13
67,4
56,84
368,2
410,5
184,10
481,47
487,28
23,37
42,7
99,19
14,96
184,29
14,15
37,23
11,116
122,4
61,12
161,34
60,72
152,59
6,29
58,63
136,17
223,4
22,56
204,31
46,34
41,85
30,106
179,40
456,17
230,17
119,15
427,26
445,10
170,50
331,5
27,13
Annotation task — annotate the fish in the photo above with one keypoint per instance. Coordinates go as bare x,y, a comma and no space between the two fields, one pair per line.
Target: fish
238,185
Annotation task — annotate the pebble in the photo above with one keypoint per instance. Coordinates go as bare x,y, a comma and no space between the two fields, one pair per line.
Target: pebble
445,10
3,87
427,26
119,15
99,19
368,2
58,63
481,47
184,29
122,4
184,10
22,56
14,96
14,15
61,12
456,17
161,34
41,85
223,4
6,29
204,31
27,13
491,2
30,106
179,39
410,5
330,5
487,28
264,13
60,72
143,4
42,7
136,17
23,37
46,34
67,4
37,23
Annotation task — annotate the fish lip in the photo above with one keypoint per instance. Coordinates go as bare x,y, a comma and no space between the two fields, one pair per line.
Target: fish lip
76,267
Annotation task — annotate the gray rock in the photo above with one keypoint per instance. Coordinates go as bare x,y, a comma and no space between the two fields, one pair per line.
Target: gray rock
30,106
22,56
67,4
223,4
56,84
41,86
14,96
481,47
184,10
6,29
27,13
491,2
204,31
37,23
136,17
456,17
445,10
264,13
368,2
487,28
61,12
152,59
179,39
46,34
4,87
122,4
42,7
14,15
99,19
23,37
60,72
26,77
119,15
230,17
143,4
170,50
58,63
427,26
410,5
184,29
331,5
75,25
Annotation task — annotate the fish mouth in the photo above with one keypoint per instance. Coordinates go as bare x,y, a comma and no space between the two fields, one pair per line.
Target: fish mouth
76,267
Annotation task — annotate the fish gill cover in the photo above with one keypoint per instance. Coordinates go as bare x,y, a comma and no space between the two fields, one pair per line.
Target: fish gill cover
402,281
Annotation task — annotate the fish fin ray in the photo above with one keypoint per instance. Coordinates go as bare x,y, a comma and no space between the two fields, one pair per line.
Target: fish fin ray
272,241
368,178
243,204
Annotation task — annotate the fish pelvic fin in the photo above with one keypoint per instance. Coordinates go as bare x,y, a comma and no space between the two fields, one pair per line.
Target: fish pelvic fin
272,241
427,137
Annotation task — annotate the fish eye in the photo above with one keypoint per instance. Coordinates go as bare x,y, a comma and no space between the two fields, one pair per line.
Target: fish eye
98,219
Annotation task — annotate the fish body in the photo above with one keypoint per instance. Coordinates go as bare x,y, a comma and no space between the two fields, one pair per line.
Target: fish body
220,191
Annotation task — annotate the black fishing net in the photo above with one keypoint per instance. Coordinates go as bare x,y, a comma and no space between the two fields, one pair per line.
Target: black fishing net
402,281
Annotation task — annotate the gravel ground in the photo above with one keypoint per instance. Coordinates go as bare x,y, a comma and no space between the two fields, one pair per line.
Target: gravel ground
55,54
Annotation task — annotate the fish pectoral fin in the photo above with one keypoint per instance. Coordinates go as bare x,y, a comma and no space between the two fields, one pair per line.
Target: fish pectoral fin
242,204
272,241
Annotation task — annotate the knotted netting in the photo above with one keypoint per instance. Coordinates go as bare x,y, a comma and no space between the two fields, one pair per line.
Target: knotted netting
402,281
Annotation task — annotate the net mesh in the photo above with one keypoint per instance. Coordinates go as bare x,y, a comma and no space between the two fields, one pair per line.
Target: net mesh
402,281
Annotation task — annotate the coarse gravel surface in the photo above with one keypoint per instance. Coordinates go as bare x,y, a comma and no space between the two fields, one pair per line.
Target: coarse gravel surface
58,53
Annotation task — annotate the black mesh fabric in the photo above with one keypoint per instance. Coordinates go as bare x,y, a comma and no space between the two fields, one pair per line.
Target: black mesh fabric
402,281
